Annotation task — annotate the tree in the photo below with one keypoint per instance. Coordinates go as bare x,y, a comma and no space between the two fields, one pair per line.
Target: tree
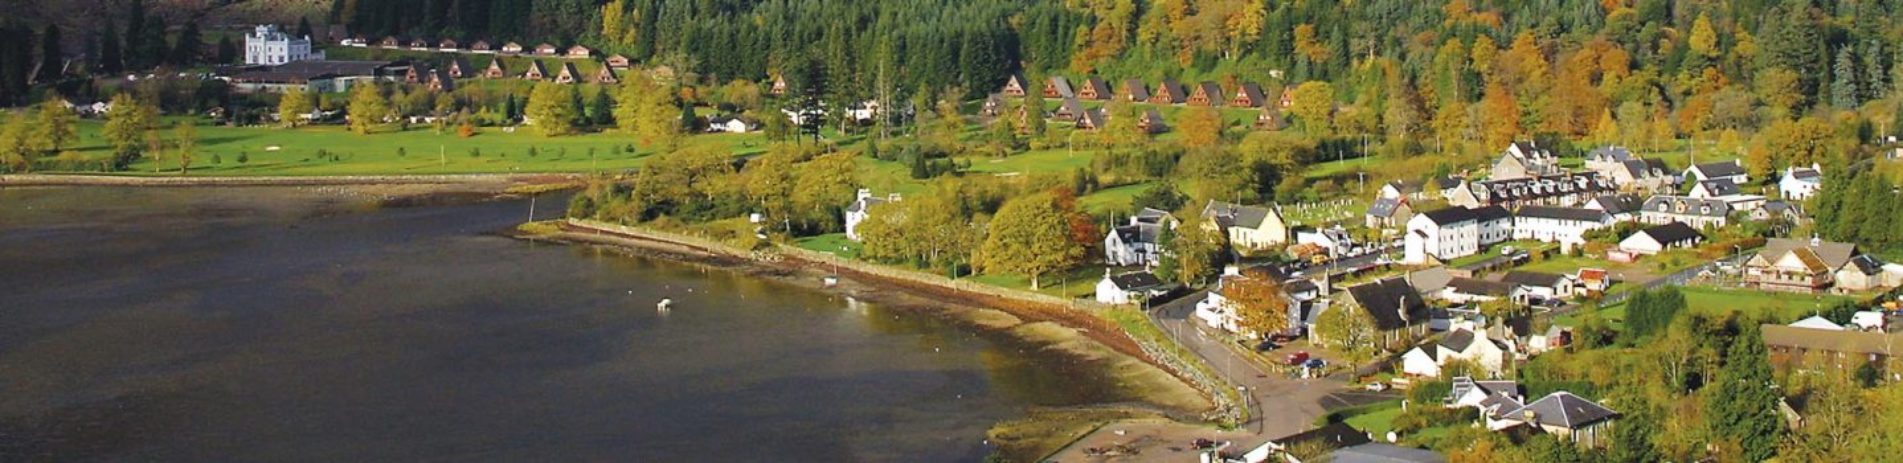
367,108
1197,250
649,110
551,109
293,107
51,60
1843,85
1030,236
1348,327
15,153
111,54
56,125
1258,302
227,50
1160,195
601,109
1201,127
1313,105
185,136
187,47
1742,407
822,188
1501,115
126,123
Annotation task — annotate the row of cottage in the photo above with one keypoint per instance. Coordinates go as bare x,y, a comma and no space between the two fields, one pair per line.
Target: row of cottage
1168,92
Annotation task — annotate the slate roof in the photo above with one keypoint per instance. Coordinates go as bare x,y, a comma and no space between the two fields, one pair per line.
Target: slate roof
1335,435
1384,453
1091,118
1386,300
1447,182
864,203
1253,92
1563,409
1135,281
1153,119
1479,287
1644,168
1213,92
1384,207
1832,254
1671,233
1228,214
1430,280
1867,264
1563,213
1458,214
1610,154
1098,85
1620,203
1719,169
1458,340
1530,188
1534,279
1845,342
1685,205
1062,85
1140,232
1172,90
1721,187
1071,107
1136,89
1807,174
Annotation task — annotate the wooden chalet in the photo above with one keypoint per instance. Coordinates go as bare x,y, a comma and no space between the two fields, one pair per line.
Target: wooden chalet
481,46
495,70
568,74
779,86
1014,86
1206,94
460,68
536,71
391,42
1091,119
994,105
1288,97
1151,121
1248,95
580,52
546,49
618,61
1095,89
420,44
418,73
1135,91
1169,92
606,75
1058,87
512,48
439,80
449,45
1270,119
1069,110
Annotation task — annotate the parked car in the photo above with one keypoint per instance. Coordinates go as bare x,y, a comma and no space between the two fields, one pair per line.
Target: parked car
1297,358
1315,363
1376,387
1265,346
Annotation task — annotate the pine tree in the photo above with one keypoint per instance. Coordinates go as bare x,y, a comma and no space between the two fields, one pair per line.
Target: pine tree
1875,80
111,56
227,50
1743,404
186,49
1843,85
51,60
303,27
135,29
150,47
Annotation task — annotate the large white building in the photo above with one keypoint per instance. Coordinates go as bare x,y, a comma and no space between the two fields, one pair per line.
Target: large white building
269,46
1800,183
1455,232
1564,225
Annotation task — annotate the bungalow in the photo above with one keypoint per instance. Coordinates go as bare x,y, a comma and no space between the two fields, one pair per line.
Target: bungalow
449,45
1068,110
420,44
1815,349
512,48
1568,417
606,75
1564,225
1333,240
1135,91
730,124
1206,94
1129,288
495,70
619,61
1657,239
1336,435
1015,85
1151,121
1699,213
1399,313
1592,280
1169,92
1726,170
1270,119
1137,242
1567,189
460,68
580,52
481,46
1532,287
1252,228
1058,87
536,71
391,42
1714,189
861,208
1800,184
1388,212
1095,89
1454,232
1798,266
546,49
1525,159
1462,290
1622,207
1248,95
441,81
568,75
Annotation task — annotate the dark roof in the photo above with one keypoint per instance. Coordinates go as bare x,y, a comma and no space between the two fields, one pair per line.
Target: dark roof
1610,153
1563,213
1722,187
1535,279
1479,287
1844,342
1685,205
1136,281
1720,169
1213,92
1172,90
1096,83
1392,303
1620,203
1867,264
1140,233
1671,233
1458,340
1385,207
1252,91
1565,410
1494,191
1136,89
1806,174
1377,452
1062,85
1237,215
1334,435
1446,182
1457,214
1072,107
338,68
1644,168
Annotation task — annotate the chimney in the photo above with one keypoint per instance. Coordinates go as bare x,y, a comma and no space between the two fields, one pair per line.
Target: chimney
1815,241
1530,415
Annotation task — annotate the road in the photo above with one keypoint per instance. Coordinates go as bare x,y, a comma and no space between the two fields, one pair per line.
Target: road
1278,405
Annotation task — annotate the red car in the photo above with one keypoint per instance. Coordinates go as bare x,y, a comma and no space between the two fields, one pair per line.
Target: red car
1297,358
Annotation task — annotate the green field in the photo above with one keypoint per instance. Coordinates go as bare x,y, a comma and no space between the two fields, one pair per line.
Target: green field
831,243
1782,307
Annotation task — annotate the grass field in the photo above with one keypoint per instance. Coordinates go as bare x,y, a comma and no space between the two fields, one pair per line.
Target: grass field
831,243
419,150
1782,307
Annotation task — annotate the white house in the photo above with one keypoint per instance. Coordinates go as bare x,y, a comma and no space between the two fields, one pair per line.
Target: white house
267,45
862,208
1128,288
1696,212
1334,240
1454,232
1566,416
1251,228
1725,170
1818,322
724,124
1217,311
1657,239
1531,287
1714,189
1136,243
1564,225
1800,183
1460,344
1491,397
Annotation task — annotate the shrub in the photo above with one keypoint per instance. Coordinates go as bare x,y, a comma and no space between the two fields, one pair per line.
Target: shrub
243,157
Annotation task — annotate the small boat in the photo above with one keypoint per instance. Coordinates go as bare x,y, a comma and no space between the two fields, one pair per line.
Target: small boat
665,304
830,281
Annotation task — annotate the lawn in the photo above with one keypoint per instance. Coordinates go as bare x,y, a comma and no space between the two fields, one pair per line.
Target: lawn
1111,200
1377,422
1783,307
270,151
1077,283
831,243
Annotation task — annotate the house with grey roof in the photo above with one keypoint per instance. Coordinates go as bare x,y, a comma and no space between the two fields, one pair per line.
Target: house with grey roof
1714,189
1388,212
1722,170
1566,416
1169,92
1095,89
1565,189
1654,240
1249,228
1525,159
1129,288
1135,91
1800,183
1207,93
1531,287
1248,95
1816,266
1454,232
1058,87
1136,243
1399,313
1330,436
1697,212
1622,206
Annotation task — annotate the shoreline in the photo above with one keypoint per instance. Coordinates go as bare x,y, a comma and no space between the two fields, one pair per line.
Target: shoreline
1156,390
25,180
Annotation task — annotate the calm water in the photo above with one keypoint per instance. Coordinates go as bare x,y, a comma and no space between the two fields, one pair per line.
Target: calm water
276,325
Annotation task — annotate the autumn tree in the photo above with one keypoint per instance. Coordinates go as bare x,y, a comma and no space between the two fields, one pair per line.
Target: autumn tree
1031,236
126,123
15,153
551,109
1201,127
1258,302
649,110
367,109
1500,115
293,106
822,187
185,140
1313,106
56,126
1351,330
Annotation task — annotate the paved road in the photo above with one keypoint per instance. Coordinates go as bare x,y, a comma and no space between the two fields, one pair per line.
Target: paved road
1278,405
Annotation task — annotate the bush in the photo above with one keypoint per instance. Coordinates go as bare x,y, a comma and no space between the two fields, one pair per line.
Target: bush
243,157
1420,417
